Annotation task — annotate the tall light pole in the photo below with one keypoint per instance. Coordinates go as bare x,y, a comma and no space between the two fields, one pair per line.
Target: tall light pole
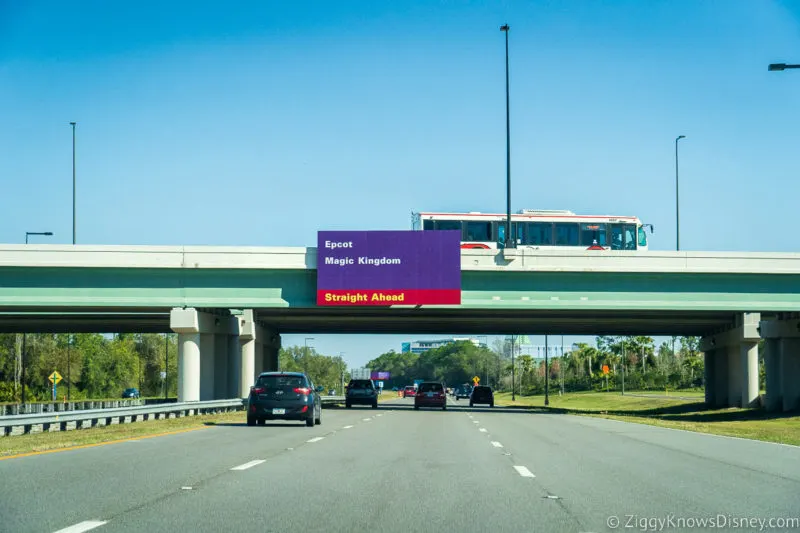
677,198
25,335
511,242
341,356
305,354
513,373
546,374
73,181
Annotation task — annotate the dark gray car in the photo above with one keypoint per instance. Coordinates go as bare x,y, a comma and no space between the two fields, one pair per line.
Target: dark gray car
361,391
284,396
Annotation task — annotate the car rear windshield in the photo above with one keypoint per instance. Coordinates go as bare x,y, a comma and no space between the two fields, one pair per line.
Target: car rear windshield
361,384
409,387
430,387
482,389
280,382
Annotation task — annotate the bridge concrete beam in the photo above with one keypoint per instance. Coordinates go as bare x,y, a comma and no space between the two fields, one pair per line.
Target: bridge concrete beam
782,362
731,360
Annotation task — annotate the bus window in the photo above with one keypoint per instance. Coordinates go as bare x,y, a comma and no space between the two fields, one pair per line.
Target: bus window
593,232
479,231
566,234
448,225
539,233
501,232
630,236
618,241
642,237
427,225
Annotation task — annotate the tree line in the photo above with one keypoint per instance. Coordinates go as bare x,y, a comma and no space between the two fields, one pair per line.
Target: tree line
97,366
637,360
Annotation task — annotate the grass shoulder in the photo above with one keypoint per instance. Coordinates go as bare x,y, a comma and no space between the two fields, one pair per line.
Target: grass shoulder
43,442
685,412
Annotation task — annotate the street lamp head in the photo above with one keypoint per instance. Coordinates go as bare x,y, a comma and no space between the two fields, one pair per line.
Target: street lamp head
504,27
72,123
48,233
776,67
681,137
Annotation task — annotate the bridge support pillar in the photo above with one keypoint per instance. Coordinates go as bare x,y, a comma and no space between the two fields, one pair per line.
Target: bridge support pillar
234,362
207,346
772,363
790,373
188,367
782,361
732,364
202,353
247,369
259,353
221,366
709,366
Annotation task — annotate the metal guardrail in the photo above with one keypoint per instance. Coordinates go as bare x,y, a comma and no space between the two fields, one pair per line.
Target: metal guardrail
23,424
77,405
87,418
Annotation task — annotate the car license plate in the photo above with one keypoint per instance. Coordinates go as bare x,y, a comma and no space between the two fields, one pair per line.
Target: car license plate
279,411
429,394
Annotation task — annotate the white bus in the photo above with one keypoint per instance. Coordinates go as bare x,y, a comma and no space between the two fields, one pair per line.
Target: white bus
540,229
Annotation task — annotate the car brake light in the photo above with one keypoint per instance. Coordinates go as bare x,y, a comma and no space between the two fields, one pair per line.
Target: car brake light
302,390
304,409
258,390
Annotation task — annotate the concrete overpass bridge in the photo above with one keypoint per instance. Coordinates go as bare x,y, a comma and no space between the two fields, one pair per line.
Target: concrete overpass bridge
229,305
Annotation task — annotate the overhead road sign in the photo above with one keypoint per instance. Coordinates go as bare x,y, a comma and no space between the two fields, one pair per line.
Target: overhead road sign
386,268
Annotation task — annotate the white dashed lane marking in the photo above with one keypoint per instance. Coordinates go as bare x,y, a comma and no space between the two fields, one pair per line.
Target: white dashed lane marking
523,471
83,526
315,439
251,464
496,444
347,427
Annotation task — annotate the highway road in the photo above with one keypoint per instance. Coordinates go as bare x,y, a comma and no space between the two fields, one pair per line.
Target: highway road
396,469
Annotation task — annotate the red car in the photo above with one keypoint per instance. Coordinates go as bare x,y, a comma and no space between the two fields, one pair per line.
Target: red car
431,394
409,391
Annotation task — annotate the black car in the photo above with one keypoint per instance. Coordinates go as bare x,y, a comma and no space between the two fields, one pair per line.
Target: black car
284,396
482,395
131,393
361,391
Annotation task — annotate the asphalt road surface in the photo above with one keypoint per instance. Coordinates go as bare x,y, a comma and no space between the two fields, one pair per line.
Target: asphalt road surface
396,469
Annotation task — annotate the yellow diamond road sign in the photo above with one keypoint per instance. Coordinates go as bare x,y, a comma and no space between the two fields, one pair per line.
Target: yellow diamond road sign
476,379
55,377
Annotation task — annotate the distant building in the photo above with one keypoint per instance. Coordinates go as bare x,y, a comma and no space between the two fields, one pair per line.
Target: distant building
424,346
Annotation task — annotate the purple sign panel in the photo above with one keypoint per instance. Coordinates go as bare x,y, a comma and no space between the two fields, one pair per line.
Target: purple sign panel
389,268
380,375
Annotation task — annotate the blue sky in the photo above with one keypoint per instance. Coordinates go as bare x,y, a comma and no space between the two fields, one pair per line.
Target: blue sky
259,123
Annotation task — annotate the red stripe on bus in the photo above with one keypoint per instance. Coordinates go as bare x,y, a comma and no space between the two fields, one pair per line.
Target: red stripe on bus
471,246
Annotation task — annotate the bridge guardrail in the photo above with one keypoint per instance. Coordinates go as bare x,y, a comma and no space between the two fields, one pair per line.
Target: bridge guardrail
86,418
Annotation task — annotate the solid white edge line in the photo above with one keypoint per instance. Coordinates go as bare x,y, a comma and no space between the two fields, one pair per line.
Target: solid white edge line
523,471
251,464
315,439
347,427
83,526
496,444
